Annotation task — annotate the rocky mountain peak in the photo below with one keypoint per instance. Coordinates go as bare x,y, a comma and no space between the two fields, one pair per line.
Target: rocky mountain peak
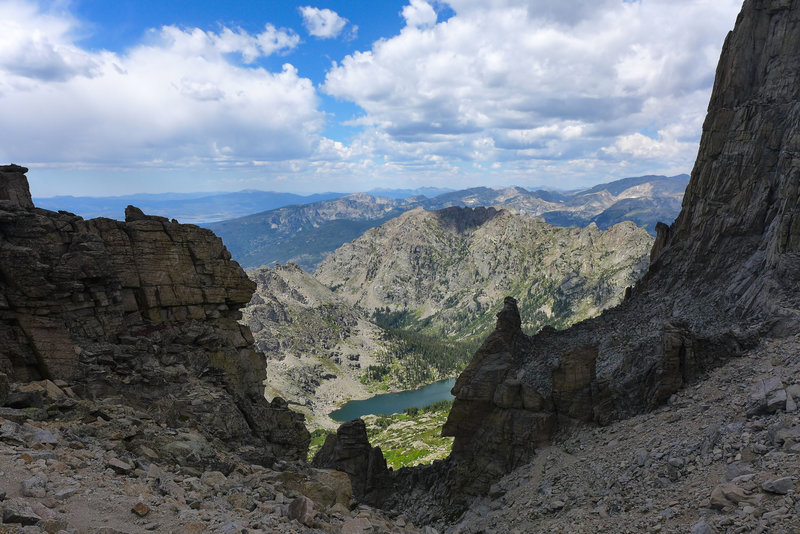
14,188
464,219
448,268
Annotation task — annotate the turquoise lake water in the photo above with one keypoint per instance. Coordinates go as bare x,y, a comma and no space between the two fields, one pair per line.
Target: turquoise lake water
396,402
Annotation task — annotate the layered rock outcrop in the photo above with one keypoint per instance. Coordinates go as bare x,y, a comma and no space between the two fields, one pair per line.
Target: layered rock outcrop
723,275
146,309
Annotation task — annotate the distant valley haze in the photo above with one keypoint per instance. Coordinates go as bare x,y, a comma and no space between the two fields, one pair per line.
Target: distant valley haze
206,208
123,98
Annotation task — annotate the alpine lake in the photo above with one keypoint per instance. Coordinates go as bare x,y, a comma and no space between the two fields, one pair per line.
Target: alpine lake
389,403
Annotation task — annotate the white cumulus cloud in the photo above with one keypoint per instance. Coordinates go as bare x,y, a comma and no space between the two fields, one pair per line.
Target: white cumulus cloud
548,83
419,13
43,51
641,146
496,92
322,23
187,97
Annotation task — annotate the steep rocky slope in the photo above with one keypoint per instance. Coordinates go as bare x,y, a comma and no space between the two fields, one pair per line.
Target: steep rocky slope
722,277
709,461
306,234
317,346
145,311
442,271
78,466
322,351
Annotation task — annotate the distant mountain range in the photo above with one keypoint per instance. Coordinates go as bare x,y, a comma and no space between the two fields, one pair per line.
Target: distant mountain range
644,200
203,208
306,234
429,192
193,208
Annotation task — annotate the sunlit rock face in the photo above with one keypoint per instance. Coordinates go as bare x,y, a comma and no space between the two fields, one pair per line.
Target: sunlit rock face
724,275
146,309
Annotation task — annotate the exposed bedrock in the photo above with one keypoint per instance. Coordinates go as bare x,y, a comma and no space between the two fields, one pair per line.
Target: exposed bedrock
146,309
723,275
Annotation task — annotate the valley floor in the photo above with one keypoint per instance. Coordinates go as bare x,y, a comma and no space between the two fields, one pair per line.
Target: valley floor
412,437
699,464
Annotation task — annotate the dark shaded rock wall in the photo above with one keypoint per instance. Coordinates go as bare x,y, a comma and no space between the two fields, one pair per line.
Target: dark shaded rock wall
725,274
146,309
740,212
349,451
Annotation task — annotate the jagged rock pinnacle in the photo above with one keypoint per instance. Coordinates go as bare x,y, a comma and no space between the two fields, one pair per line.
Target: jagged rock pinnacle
508,319
14,187
132,213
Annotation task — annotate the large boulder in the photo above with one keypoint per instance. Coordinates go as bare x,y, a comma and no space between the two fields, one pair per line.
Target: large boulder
349,451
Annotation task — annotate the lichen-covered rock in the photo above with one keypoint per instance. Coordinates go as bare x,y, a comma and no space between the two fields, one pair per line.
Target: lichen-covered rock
147,309
724,275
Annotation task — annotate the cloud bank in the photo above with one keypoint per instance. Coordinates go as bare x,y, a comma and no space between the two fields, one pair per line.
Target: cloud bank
469,92
183,97
541,87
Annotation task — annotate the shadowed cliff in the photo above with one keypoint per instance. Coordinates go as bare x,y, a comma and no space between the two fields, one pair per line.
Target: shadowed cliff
724,275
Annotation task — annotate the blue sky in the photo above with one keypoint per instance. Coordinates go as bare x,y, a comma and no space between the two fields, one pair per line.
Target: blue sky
118,97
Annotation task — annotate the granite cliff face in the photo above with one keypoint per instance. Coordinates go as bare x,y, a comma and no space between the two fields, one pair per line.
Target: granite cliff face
145,310
740,213
722,277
